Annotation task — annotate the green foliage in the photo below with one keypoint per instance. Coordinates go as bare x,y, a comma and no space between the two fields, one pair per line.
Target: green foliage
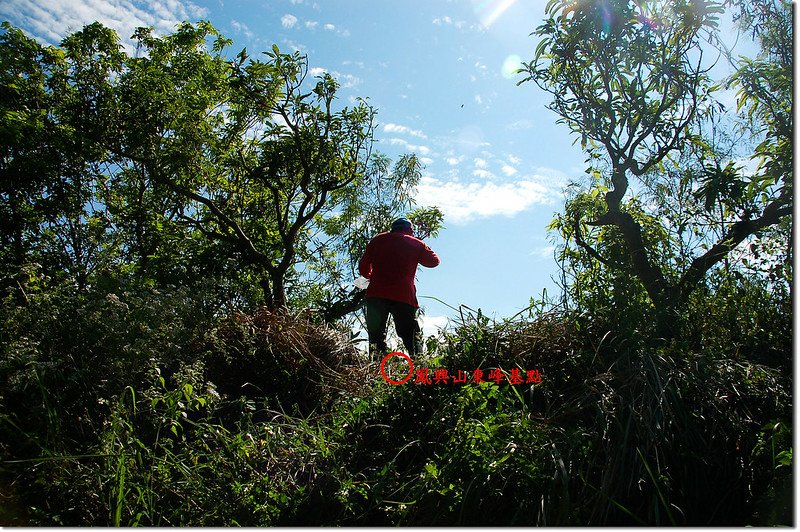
630,81
180,164
600,280
149,409
623,74
54,347
121,402
147,200
765,86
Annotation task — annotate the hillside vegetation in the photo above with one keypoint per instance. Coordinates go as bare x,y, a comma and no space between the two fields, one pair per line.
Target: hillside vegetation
140,407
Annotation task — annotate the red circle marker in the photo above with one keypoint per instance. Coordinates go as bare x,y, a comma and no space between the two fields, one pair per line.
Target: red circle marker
399,354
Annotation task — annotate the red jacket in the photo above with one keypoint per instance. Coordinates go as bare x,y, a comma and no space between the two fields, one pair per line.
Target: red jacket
390,263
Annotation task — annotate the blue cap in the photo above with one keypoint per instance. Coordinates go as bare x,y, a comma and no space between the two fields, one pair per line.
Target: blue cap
401,224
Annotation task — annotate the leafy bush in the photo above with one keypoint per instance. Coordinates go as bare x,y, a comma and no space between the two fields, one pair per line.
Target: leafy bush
149,410
618,432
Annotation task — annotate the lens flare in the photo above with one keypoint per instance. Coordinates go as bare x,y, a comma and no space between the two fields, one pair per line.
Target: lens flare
510,66
490,10
607,16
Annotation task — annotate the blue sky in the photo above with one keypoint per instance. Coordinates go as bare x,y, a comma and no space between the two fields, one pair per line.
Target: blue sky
440,75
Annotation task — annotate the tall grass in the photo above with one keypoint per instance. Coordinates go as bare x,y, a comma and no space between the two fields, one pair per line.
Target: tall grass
272,419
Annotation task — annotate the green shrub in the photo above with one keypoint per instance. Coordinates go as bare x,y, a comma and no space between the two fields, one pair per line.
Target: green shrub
144,409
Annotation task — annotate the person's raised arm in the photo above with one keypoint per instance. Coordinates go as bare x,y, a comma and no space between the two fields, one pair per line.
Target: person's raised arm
428,257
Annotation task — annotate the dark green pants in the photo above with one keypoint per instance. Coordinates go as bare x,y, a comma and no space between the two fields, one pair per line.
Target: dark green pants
405,323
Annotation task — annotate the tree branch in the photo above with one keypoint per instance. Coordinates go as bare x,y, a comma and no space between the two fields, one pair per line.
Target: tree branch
738,232
576,229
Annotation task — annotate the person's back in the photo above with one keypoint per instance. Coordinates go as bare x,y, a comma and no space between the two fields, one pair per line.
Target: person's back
390,263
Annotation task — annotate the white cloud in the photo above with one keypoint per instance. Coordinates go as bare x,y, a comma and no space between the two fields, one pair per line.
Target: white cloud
463,202
51,21
545,252
242,28
407,146
403,130
520,125
483,174
480,163
468,139
448,21
420,149
346,81
431,325
288,21
750,166
478,99
452,161
727,97
313,25
297,47
348,62
508,170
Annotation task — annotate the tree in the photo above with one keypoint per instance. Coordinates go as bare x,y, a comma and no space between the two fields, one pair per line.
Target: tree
261,164
255,157
49,172
630,80
766,95
180,162
26,161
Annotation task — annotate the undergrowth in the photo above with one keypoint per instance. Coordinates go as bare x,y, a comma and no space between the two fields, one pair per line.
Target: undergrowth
273,419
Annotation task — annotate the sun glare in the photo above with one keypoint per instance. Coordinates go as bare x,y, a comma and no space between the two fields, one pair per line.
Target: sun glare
510,66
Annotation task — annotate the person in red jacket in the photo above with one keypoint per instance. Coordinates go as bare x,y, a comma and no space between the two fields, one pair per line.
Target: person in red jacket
390,263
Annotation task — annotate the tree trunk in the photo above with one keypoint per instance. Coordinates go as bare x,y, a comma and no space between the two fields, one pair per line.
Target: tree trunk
665,297
278,290
338,310
266,291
